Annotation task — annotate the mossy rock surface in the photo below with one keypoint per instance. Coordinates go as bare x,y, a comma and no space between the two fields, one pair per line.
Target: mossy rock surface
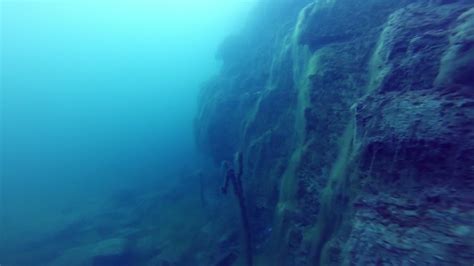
358,132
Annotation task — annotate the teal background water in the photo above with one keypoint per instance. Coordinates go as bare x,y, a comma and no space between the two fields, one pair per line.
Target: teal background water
98,96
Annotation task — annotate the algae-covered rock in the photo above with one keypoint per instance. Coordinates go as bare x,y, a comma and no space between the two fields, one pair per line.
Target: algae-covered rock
357,122
456,65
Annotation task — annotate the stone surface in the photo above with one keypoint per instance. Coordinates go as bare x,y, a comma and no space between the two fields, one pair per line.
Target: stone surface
356,122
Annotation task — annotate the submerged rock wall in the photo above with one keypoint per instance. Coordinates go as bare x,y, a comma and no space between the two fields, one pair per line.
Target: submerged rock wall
355,119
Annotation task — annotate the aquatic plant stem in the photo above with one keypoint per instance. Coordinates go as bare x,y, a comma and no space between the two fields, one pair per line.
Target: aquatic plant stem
235,178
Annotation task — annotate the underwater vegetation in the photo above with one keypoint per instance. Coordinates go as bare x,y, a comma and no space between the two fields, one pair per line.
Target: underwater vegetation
345,132
355,119
233,177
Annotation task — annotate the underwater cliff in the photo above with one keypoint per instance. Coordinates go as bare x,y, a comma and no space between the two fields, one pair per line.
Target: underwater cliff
327,132
356,124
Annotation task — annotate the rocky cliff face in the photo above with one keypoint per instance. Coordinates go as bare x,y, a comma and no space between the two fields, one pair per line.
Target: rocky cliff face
355,119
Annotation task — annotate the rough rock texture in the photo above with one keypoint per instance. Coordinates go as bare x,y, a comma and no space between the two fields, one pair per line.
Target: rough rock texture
356,119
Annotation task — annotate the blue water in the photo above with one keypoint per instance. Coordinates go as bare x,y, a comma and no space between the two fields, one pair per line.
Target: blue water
98,97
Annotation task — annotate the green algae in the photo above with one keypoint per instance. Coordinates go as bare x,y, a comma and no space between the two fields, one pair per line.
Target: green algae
334,197
305,65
